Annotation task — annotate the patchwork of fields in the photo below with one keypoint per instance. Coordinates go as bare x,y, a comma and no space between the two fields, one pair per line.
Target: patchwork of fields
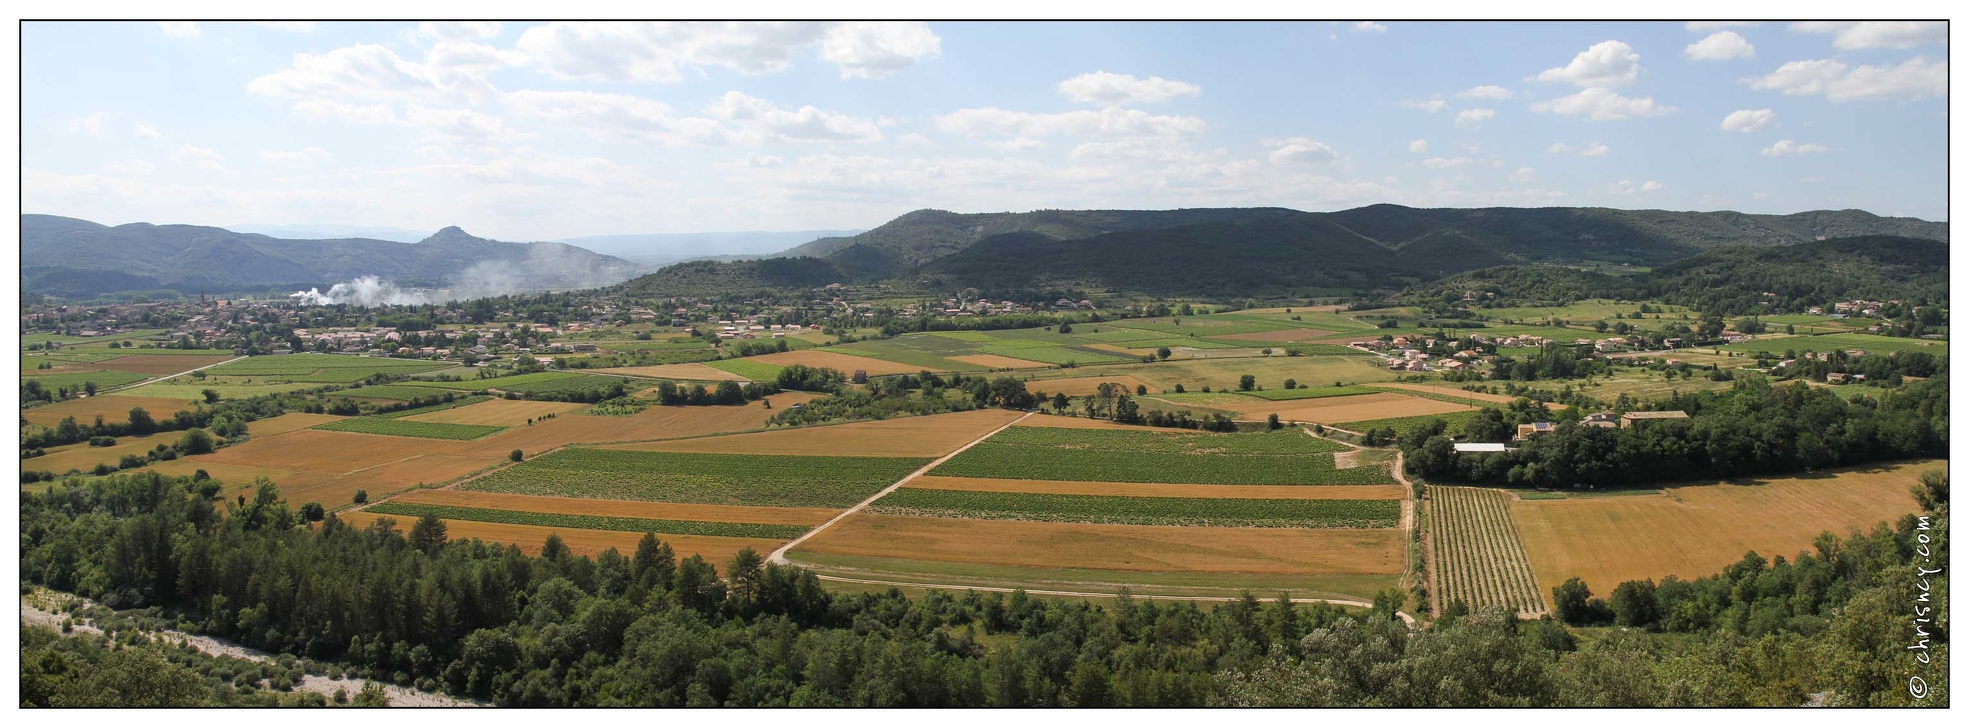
1476,553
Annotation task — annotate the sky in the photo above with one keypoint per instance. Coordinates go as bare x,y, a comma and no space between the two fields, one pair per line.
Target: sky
542,131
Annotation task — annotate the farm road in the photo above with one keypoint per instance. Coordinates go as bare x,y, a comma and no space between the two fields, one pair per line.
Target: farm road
179,374
779,555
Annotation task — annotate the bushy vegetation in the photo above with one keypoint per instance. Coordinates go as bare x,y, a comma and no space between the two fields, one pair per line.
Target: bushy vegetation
600,523
716,478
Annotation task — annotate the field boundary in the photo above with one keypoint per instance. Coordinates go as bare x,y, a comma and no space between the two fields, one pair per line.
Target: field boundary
160,379
779,554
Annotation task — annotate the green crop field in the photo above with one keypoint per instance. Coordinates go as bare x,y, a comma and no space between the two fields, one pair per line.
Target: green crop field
1125,456
513,382
404,428
1870,343
1121,336
720,479
439,407
599,523
1218,512
1211,326
336,367
1055,354
75,381
1280,395
976,337
1284,442
1191,342
391,391
757,371
1454,419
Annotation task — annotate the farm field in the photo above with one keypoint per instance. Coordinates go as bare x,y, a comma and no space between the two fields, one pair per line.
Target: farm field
1870,343
1081,386
685,372
917,352
392,392
497,412
111,409
1047,453
82,456
927,436
1476,553
234,477
1334,410
1161,490
157,365
408,428
1141,510
847,363
588,521
337,491
327,368
322,451
1056,354
1448,390
717,550
1697,530
188,389
1281,395
1194,374
756,371
1280,336
624,509
650,424
76,381
994,361
287,423
711,478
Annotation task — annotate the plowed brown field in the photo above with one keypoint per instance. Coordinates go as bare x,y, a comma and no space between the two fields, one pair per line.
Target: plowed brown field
111,409
847,363
624,509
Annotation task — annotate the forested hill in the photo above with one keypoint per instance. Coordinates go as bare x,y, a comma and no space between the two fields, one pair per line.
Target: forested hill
76,258
1733,279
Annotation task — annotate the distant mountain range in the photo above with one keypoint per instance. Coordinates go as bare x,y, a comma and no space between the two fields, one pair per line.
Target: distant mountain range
77,258
1264,250
661,248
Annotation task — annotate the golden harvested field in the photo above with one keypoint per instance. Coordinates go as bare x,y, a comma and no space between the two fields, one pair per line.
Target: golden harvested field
1447,390
1284,335
1350,408
1131,548
687,372
654,423
1161,490
1079,386
625,509
158,365
287,423
1223,373
80,456
1695,531
87,409
336,491
716,549
326,452
500,412
927,436
847,363
994,361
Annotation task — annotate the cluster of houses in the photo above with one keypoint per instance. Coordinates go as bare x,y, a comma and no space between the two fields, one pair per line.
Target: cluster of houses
956,308
1607,420
752,329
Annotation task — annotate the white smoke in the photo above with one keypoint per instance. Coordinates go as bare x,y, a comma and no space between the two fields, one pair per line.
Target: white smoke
364,291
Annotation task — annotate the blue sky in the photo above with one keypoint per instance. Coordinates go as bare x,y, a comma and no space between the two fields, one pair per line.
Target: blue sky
540,131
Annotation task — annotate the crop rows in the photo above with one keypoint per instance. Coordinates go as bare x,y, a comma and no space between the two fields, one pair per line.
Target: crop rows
1026,462
1438,396
975,337
713,478
757,371
598,523
1117,336
1174,342
305,364
1290,442
392,391
1277,395
1476,551
74,381
1141,511
512,383
1208,327
406,428
1401,424
1054,354
439,407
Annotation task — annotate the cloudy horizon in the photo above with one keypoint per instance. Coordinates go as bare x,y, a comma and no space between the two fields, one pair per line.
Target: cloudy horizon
561,130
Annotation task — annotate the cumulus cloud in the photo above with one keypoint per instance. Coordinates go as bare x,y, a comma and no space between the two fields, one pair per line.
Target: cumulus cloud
758,120
1485,92
1432,104
1119,89
291,26
1606,64
1523,175
201,157
300,157
1600,104
325,110
1849,35
1300,150
91,125
1595,149
1473,117
370,72
1442,163
661,51
1719,47
1915,78
878,50
1789,148
458,30
1105,123
178,29
1651,186
1418,146
618,117
1590,149
1369,26
146,131
1704,26
1749,120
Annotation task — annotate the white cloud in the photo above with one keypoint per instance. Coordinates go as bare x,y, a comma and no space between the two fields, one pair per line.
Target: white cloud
302,157
1789,148
371,72
458,30
1596,149
1606,64
1118,89
1704,26
878,50
1485,92
291,26
146,131
1599,104
201,157
1418,146
325,110
1558,148
1719,47
1850,35
462,125
1523,175
1652,186
1432,104
1299,150
1473,117
91,125
1442,163
1749,120
1105,123
1369,26
178,29
131,168
618,117
758,120
1915,78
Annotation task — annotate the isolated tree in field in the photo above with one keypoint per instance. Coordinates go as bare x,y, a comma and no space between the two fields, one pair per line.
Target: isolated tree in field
141,422
211,396
1066,328
1570,601
1141,389
517,456
1272,423
1246,382
362,496
1061,403
89,387
427,534
1162,353
1291,384
1179,389
195,442
312,512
